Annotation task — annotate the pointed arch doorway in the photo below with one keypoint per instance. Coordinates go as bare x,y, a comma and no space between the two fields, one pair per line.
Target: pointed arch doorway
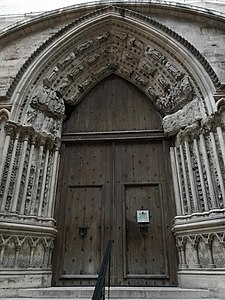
114,161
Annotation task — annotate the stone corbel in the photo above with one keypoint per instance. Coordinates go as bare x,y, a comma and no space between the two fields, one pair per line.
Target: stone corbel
187,116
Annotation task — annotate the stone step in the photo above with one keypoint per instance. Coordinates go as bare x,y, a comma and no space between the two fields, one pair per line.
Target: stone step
115,293
106,298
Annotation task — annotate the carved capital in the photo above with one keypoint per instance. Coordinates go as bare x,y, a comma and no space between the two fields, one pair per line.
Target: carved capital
11,129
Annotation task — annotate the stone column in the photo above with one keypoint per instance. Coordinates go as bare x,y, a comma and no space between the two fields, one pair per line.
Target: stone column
6,196
196,149
191,178
53,181
10,134
185,179
208,171
22,207
20,172
43,181
175,182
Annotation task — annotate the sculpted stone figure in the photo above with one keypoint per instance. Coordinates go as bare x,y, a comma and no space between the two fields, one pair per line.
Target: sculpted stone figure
173,70
47,106
63,64
85,46
40,97
148,68
176,97
163,82
155,54
75,72
140,80
48,100
133,42
152,94
56,104
93,58
53,75
103,37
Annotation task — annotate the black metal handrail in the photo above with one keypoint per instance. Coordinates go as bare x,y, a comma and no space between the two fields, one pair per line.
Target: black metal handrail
99,292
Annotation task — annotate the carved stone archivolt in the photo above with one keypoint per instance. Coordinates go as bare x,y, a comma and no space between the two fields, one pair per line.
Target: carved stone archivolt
95,53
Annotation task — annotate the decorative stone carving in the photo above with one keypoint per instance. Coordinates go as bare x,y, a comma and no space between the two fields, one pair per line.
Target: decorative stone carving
155,54
173,70
202,250
132,57
67,61
46,111
152,94
187,116
120,35
146,67
103,37
140,80
85,84
93,58
63,86
53,75
85,46
75,72
133,42
49,101
164,83
176,96
20,251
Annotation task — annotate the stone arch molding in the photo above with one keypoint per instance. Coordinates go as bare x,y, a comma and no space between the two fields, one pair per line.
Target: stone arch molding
114,40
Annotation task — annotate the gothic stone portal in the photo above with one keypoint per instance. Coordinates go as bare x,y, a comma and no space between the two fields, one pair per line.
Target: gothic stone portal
114,161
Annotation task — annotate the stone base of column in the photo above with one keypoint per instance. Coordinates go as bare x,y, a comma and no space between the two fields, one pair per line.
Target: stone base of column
205,279
12,280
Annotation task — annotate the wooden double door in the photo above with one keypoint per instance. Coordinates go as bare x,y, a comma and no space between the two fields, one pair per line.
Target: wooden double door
105,177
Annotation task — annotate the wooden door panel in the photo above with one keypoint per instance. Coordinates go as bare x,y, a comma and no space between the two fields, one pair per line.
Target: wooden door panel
140,177
145,256
85,202
82,251
114,105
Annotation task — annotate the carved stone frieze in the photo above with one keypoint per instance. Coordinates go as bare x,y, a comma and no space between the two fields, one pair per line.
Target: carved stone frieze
22,251
201,250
